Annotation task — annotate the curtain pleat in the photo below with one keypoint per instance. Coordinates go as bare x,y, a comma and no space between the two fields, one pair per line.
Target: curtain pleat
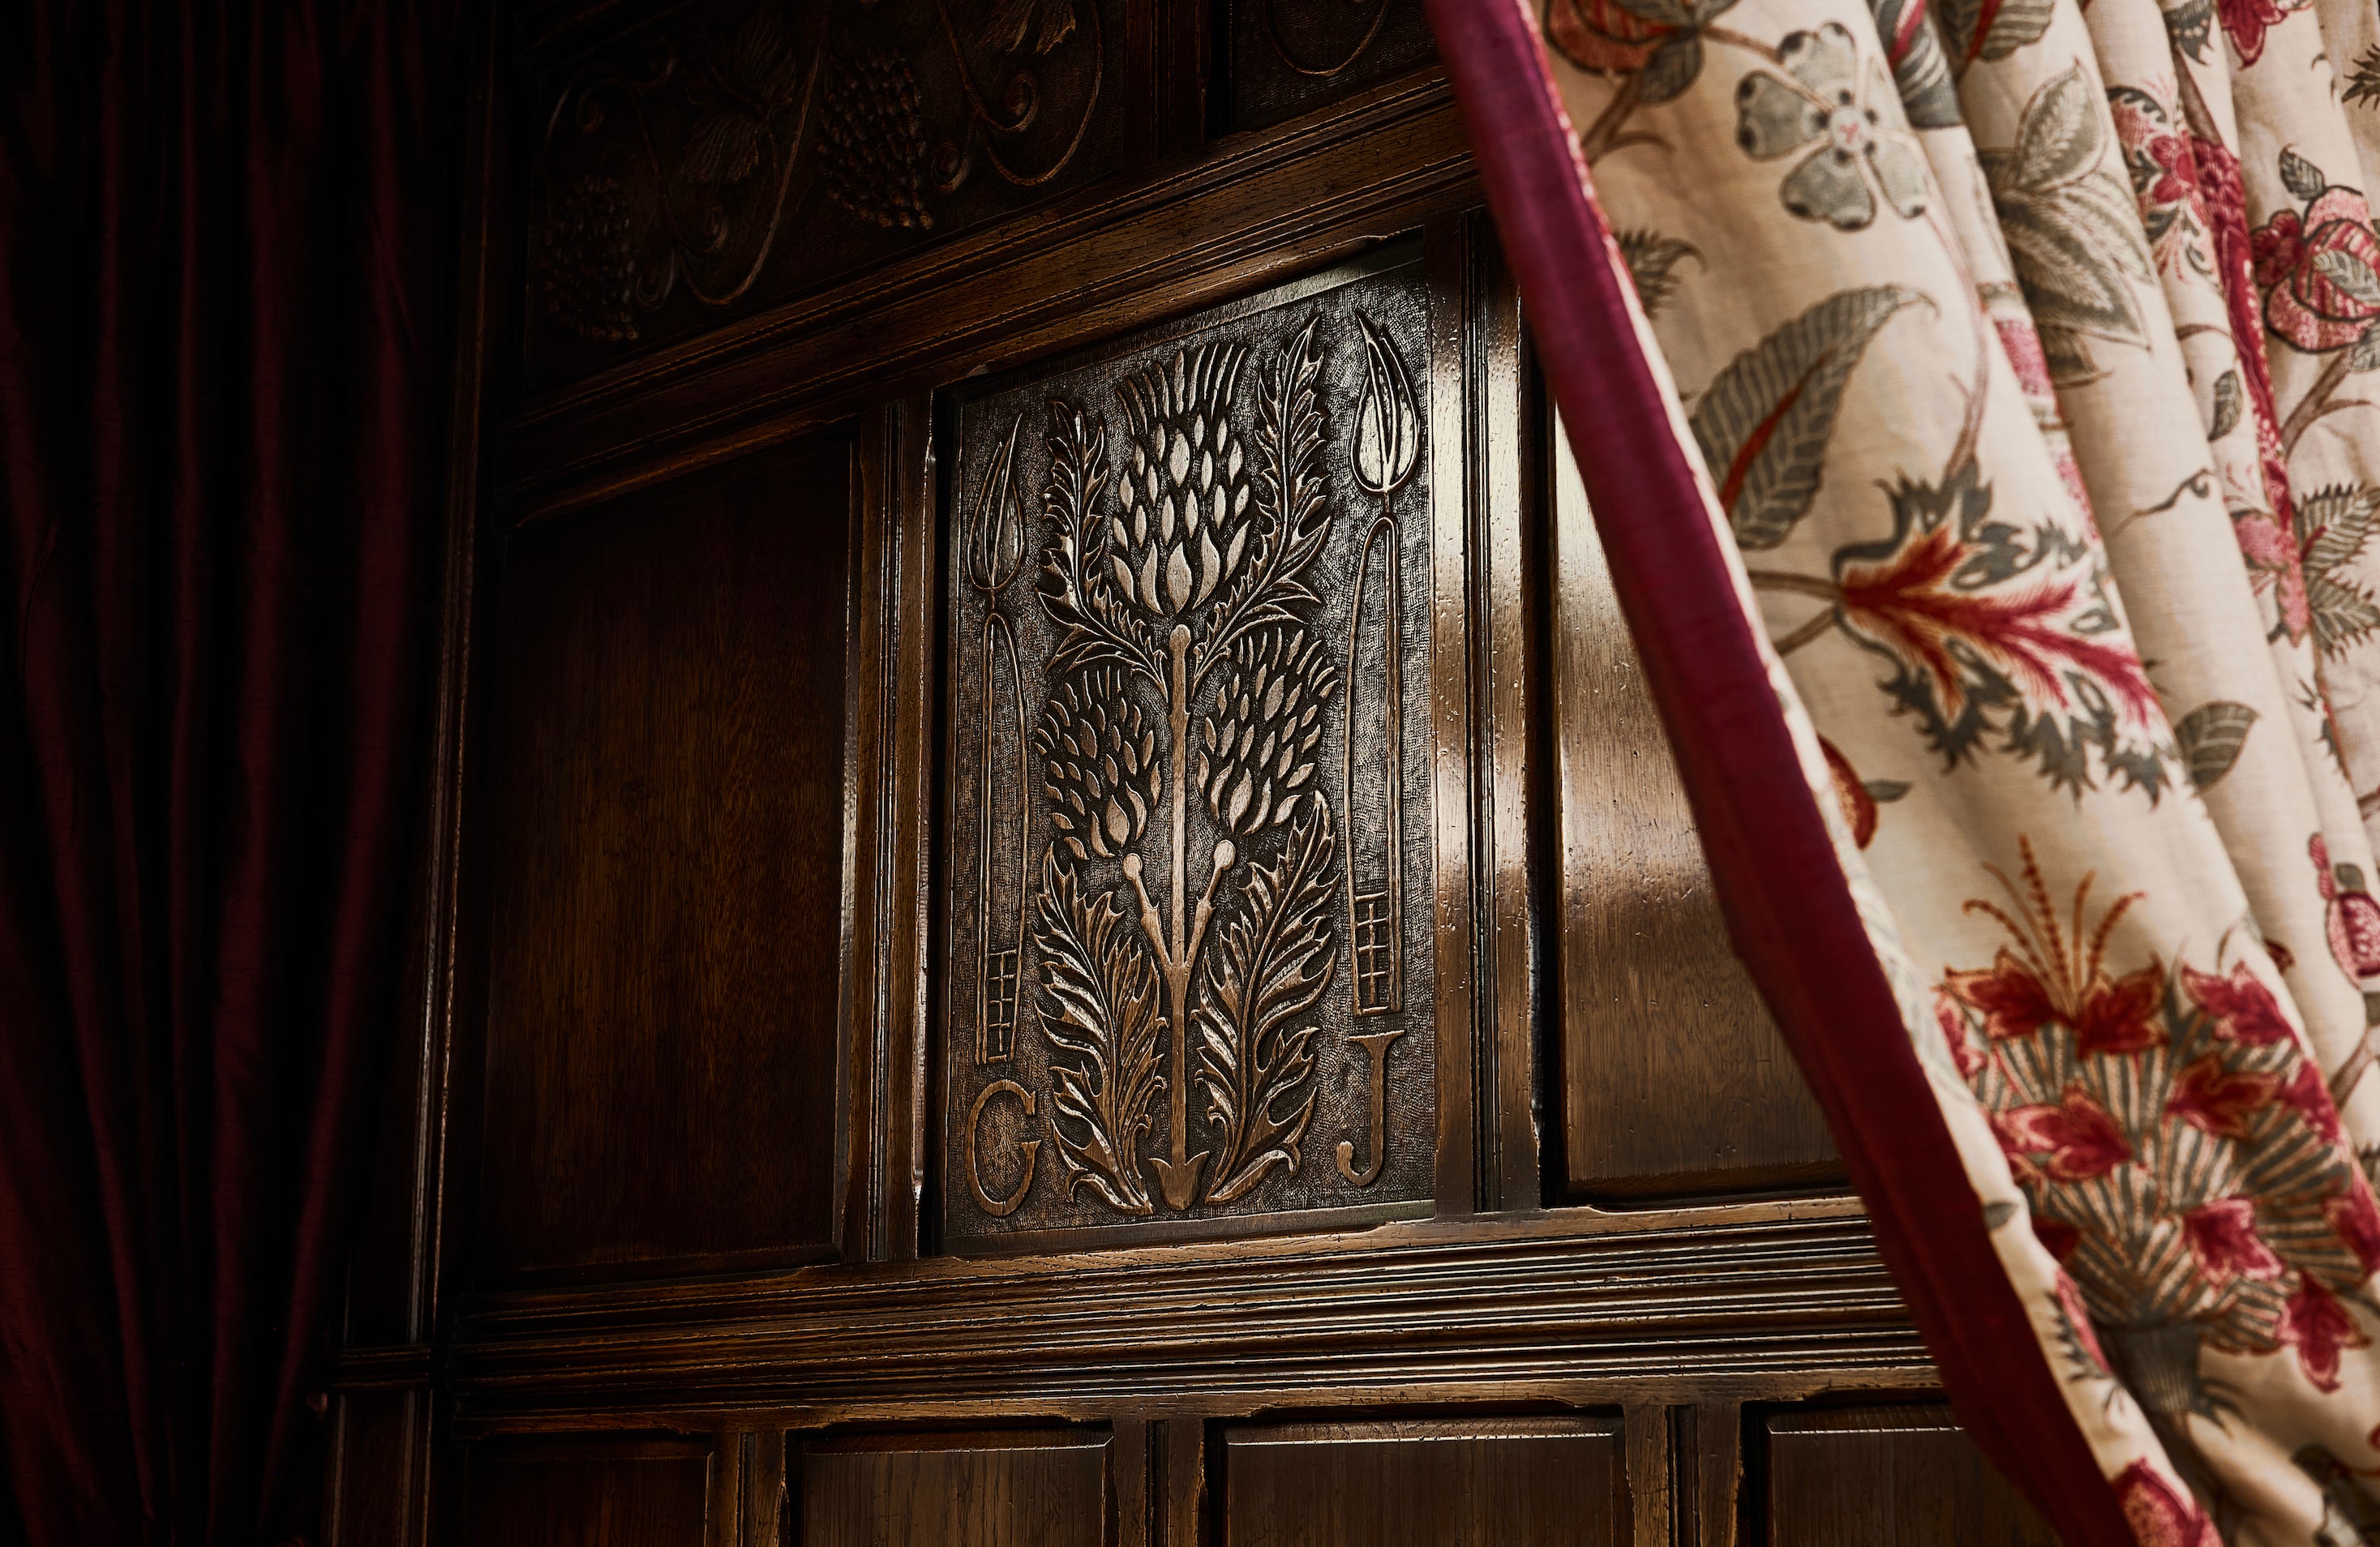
2020,352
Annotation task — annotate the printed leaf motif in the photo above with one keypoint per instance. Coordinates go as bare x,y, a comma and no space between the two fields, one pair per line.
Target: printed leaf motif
2228,401
1652,260
1921,72
2363,81
2333,524
2210,737
1992,30
2302,176
1271,963
2074,227
1099,1010
1764,423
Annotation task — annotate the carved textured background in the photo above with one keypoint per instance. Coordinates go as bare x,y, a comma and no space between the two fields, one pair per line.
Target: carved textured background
1287,57
1023,441
739,151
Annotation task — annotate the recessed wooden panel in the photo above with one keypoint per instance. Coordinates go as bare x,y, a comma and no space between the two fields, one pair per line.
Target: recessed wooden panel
733,153
1888,1476
587,1493
1674,1079
1486,1482
1189,966
664,840
1035,1488
1287,57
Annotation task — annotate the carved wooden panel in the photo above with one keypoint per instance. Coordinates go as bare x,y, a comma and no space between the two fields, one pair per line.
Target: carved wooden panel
1674,1080
739,151
1188,965
664,849
1020,1488
1465,1483
587,1491
1887,1475
1289,55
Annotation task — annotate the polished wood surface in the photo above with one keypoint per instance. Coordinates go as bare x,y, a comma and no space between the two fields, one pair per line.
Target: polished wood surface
997,1489
1475,1482
674,1237
1890,1476
1675,1083
666,835
588,1492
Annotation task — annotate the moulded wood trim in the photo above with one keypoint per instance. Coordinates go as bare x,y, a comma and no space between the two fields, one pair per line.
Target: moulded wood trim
1222,228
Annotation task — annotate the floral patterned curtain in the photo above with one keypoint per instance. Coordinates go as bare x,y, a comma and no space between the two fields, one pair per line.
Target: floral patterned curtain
2025,359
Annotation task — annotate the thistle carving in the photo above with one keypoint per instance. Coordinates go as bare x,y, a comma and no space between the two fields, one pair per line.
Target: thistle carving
1211,654
1185,577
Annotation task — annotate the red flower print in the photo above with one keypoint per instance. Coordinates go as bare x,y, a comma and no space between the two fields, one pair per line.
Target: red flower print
2217,1100
2061,1238
2011,1000
2311,268
1602,35
2319,1328
2160,1515
2222,1237
2122,1016
2356,1222
2310,1098
2177,170
2353,921
2245,22
2242,1006
2080,1140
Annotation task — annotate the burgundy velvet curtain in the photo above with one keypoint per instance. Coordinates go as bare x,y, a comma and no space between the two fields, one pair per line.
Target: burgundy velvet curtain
226,244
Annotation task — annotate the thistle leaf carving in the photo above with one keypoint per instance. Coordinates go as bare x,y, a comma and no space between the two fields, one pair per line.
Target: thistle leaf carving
1095,620
1102,1014
1271,963
1291,499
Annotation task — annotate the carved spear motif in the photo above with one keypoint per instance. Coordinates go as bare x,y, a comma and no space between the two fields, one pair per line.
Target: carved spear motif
994,548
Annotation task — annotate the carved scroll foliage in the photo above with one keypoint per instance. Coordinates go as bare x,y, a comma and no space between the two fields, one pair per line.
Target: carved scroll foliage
674,160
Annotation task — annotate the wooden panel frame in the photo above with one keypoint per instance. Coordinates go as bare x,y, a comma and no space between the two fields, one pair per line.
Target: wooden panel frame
1679,1313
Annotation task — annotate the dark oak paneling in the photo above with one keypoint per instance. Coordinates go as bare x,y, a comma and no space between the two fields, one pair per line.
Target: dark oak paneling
1888,1476
1286,56
1472,1482
1674,1080
665,841
588,1493
1024,1487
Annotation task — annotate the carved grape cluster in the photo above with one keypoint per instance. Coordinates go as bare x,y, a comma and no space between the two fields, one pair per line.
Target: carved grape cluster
1103,777
585,260
872,142
1180,528
1259,735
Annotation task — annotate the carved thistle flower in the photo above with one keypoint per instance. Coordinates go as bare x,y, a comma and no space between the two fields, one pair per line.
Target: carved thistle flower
1259,735
1181,528
1103,777
1387,424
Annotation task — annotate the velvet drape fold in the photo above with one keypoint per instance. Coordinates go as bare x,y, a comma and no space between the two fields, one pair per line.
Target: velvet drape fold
226,249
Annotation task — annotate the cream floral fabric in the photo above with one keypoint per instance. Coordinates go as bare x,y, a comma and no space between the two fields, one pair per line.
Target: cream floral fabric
2023,358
